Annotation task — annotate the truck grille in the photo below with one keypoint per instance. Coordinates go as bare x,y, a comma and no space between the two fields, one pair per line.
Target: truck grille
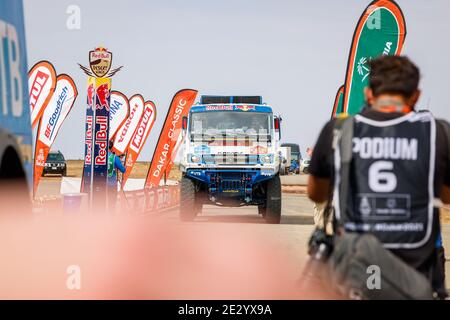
227,159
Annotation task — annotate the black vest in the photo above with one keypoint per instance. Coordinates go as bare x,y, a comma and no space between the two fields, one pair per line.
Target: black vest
385,187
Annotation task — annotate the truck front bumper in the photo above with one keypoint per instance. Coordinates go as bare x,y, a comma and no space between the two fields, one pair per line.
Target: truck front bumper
231,183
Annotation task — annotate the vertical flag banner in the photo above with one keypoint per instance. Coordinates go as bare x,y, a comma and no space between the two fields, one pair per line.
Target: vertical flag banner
53,117
89,136
101,140
174,155
338,102
126,131
179,107
41,85
139,138
119,111
381,30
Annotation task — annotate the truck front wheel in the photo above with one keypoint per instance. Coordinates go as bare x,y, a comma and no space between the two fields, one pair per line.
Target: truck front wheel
273,201
188,206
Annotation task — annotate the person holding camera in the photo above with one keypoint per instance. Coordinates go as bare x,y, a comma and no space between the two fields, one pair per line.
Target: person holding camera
385,170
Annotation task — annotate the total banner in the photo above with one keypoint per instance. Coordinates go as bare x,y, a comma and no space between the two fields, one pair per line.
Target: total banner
139,138
41,85
119,111
179,107
53,117
126,131
381,30
338,103
86,178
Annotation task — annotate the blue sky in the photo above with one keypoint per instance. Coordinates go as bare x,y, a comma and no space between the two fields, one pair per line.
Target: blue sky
292,52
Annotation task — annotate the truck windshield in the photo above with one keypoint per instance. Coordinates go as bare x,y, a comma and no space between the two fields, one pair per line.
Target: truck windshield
230,124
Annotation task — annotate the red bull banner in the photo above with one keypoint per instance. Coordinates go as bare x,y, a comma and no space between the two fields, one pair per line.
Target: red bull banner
139,138
126,131
381,30
86,178
101,140
53,117
41,85
338,102
119,111
179,107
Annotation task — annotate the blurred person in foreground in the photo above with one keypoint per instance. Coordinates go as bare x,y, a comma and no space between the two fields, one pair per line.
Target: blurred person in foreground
396,170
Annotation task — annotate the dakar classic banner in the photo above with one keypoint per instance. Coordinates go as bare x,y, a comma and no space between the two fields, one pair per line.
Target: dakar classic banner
119,111
53,117
174,155
381,30
126,131
338,102
41,85
179,107
139,138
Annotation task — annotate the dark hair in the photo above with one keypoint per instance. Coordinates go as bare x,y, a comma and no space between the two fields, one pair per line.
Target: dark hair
393,75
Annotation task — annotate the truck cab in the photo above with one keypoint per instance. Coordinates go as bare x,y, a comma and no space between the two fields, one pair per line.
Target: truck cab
231,156
15,127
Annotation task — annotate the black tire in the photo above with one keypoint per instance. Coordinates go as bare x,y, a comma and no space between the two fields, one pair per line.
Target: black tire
273,201
188,206
64,173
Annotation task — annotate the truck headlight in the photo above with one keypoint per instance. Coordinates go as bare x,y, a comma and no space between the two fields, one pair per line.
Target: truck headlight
195,158
266,159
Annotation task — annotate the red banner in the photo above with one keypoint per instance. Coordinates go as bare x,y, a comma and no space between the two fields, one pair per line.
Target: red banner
126,131
174,155
53,117
41,85
179,107
139,138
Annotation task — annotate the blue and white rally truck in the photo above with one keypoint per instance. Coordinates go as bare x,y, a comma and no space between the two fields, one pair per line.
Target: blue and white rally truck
15,127
230,156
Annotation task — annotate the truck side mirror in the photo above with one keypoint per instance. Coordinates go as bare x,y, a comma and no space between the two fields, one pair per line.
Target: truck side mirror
184,123
277,122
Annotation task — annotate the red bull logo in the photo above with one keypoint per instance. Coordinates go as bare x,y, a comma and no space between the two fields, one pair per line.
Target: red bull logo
101,137
90,95
103,93
244,107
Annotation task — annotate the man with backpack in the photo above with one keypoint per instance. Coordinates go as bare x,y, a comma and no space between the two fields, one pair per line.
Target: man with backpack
386,170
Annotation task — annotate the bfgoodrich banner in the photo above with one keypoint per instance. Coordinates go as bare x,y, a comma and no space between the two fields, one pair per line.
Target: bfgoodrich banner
53,117
381,30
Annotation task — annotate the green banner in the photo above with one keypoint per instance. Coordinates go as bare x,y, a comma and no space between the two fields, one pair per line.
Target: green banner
338,102
381,30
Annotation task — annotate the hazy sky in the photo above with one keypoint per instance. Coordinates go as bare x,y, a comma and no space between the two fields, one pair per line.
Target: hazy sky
292,52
